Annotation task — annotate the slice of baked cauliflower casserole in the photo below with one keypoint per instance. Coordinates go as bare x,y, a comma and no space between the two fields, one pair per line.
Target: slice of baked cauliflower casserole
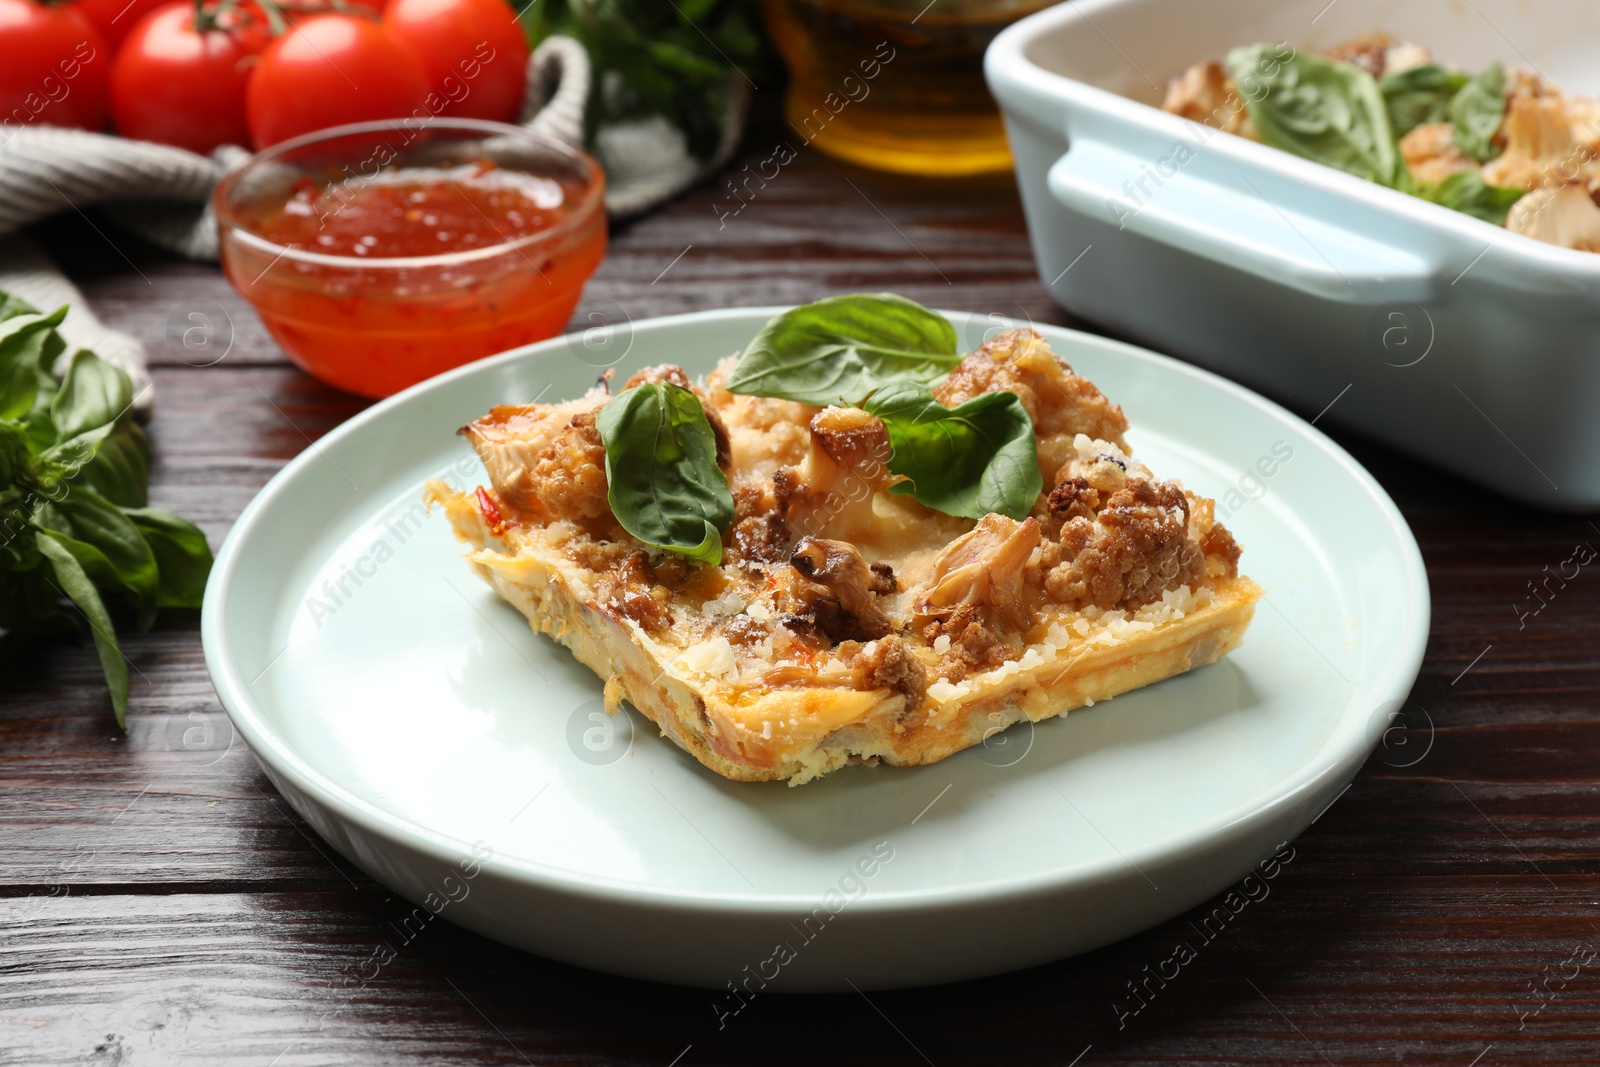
845,623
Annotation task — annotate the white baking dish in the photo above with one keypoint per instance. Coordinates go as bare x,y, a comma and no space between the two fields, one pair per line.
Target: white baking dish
1460,342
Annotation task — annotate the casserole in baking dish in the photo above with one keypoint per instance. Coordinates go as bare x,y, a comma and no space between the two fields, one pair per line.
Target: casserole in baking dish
1468,345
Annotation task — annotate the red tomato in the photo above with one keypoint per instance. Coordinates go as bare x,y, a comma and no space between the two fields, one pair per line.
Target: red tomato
115,19
330,70
53,67
181,86
474,52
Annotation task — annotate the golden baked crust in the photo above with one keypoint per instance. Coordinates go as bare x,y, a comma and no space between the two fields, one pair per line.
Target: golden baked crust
848,624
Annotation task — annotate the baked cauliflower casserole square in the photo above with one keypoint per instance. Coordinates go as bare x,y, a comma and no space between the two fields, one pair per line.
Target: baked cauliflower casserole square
847,622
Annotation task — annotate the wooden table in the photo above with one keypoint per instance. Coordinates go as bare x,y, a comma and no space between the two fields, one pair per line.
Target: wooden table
162,905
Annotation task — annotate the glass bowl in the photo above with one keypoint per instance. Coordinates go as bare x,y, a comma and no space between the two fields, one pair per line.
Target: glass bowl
376,324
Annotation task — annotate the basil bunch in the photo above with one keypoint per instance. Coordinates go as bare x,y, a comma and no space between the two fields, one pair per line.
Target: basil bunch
673,60
878,352
1337,114
74,528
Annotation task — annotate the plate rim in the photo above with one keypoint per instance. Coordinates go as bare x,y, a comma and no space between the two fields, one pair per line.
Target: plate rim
280,759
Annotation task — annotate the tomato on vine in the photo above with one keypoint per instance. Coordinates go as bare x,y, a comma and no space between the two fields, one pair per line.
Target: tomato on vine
115,19
53,67
180,77
327,71
473,51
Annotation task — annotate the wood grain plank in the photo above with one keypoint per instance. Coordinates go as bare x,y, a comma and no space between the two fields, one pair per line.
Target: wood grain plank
1432,975
161,905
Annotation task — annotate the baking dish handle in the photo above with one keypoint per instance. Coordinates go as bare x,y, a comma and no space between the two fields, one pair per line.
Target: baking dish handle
1235,224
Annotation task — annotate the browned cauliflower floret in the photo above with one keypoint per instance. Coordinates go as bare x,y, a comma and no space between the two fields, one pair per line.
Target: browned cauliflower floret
1564,216
890,664
1072,498
1136,546
1520,81
1540,145
569,477
1371,54
1431,152
523,446
670,373
1061,404
1206,93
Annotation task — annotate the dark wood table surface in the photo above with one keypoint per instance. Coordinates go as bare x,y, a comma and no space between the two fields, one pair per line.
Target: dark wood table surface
160,904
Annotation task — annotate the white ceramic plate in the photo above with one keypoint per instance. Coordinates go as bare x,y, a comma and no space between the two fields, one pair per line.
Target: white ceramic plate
420,726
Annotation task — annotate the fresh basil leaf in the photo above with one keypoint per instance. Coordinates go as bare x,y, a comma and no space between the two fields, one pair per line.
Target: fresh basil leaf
1318,108
662,476
119,468
29,345
14,453
970,460
17,553
1477,111
838,350
11,306
682,61
60,464
124,561
46,517
1419,96
42,431
75,584
182,555
1469,194
93,393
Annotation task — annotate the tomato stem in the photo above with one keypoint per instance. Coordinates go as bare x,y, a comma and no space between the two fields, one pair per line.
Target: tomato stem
323,7
277,25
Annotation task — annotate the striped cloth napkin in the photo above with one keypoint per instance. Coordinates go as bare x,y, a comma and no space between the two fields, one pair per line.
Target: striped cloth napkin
163,193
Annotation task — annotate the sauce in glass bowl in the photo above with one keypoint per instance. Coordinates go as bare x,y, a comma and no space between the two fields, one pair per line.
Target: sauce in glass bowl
378,256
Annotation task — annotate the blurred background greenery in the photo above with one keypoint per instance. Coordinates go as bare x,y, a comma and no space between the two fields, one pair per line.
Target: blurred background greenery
661,57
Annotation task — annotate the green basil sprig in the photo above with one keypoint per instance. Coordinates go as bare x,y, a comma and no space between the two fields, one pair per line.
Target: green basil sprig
1477,111
838,350
662,476
878,352
970,460
1318,108
74,528
1419,96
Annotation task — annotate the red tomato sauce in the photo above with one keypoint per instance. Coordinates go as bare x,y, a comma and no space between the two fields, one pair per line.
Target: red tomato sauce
416,212
380,317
